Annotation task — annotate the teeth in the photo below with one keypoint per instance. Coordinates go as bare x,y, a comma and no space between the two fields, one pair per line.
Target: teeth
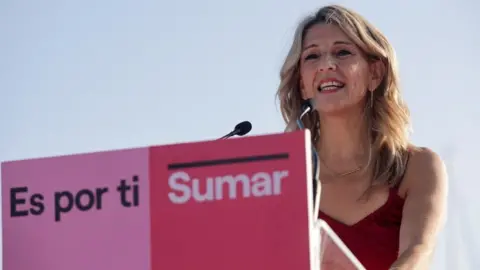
337,84
330,85
329,88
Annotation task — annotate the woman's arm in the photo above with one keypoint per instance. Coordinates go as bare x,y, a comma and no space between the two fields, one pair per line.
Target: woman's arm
424,211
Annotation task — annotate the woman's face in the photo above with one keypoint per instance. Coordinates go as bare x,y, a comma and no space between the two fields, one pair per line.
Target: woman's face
333,70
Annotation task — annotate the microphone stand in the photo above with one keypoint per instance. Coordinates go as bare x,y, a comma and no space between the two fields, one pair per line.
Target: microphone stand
229,135
307,107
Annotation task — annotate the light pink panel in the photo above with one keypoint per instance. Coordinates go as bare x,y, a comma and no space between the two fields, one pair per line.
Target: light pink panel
114,237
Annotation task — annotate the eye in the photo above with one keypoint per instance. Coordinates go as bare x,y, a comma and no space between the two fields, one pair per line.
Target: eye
311,56
343,53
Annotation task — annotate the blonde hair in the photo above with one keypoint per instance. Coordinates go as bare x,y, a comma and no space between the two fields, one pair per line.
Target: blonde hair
389,118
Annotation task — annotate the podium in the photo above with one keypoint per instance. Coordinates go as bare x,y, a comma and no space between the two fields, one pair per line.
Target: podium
241,203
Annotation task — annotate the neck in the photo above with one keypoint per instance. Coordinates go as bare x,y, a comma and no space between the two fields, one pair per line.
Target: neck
344,140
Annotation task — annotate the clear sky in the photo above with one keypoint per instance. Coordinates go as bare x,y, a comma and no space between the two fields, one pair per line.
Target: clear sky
83,76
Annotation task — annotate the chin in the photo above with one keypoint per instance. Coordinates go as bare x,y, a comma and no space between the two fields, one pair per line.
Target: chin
337,109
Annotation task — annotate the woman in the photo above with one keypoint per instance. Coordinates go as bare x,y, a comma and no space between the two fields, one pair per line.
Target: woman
383,196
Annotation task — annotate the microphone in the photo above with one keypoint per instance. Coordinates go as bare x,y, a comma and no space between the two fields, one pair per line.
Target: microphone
308,107
239,130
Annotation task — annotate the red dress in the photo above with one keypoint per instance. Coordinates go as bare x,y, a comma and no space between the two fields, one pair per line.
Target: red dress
373,240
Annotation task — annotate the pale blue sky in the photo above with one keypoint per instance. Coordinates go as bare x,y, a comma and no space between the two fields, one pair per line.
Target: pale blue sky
82,76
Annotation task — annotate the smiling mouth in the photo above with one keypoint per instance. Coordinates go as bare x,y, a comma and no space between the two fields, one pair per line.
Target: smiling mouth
330,87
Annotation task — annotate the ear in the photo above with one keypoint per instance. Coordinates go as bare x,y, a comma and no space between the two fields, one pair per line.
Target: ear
377,72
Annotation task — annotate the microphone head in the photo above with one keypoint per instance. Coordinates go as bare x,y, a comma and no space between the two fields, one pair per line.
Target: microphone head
308,105
243,128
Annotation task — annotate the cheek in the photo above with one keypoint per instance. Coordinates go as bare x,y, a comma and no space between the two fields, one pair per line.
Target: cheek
306,82
357,79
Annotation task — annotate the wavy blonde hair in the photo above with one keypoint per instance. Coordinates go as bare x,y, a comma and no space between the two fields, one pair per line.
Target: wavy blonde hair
389,117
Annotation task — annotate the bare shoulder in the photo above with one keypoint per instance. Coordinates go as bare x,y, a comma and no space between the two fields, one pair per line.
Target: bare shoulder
425,172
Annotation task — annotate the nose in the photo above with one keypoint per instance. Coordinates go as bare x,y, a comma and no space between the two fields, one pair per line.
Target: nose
326,63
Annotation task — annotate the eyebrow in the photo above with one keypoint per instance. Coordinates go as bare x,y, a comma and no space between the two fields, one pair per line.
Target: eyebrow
335,43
